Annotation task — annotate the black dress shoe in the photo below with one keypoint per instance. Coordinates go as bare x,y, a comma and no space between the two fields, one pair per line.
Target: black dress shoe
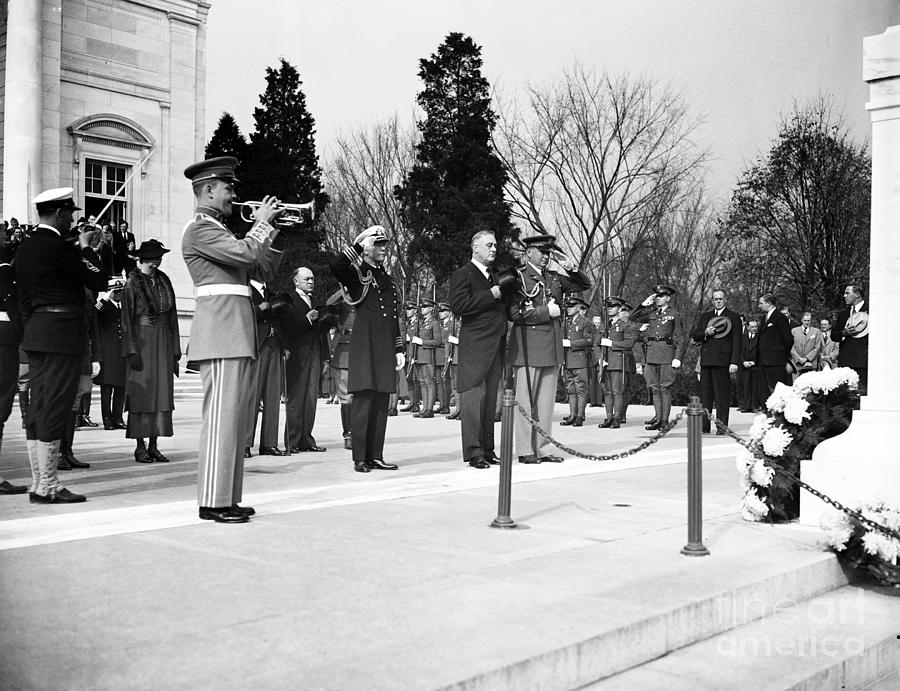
361,467
605,424
411,408
6,488
62,463
478,462
529,459
577,421
271,451
453,416
226,515
615,424
61,496
247,452
720,432
119,424
157,456
142,456
566,421
392,412
87,422
651,421
426,413
378,464
552,459
108,424
652,426
74,462
444,411
491,458
309,448
246,510
567,418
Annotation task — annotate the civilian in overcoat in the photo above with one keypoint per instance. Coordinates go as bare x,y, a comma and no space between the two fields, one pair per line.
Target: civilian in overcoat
718,331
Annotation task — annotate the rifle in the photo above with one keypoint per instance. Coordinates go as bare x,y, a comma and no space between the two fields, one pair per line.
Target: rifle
604,313
451,348
565,335
414,351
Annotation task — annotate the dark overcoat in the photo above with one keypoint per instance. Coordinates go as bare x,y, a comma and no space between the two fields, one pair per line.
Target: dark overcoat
719,352
775,340
376,335
854,352
482,330
109,345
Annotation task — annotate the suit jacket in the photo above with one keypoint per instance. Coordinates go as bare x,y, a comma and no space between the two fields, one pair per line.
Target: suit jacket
52,271
718,352
775,341
854,352
529,313
830,351
305,339
806,346
749,348
214,256
580,333
482,330
123,245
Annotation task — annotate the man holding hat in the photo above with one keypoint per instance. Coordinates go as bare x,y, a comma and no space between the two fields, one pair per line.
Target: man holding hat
718,331
613,352
376,345
851,331
221,266
666,338
536,349
577,352
51,275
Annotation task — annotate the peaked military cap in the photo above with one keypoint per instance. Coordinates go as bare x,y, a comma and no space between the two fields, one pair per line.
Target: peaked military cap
541,242
443,307
614,301
428,302
662,289
219,168
57,198
575,301
627,307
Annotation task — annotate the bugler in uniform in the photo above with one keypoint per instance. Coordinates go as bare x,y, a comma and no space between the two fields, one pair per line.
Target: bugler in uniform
221,266
577,346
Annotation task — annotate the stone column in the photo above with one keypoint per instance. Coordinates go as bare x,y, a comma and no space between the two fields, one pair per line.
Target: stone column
864,461
22,152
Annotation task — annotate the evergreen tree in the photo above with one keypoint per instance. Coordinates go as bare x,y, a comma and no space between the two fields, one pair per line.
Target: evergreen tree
227,140
456,186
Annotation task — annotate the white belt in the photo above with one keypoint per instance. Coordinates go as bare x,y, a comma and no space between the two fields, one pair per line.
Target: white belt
222,289
4,316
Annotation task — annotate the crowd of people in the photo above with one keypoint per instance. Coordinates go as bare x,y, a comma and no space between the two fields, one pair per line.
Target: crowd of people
521,327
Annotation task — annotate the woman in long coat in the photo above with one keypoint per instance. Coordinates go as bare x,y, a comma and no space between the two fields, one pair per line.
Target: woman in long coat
150,343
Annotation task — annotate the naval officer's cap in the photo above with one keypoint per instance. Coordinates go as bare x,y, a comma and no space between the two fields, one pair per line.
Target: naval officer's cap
57,198
219,168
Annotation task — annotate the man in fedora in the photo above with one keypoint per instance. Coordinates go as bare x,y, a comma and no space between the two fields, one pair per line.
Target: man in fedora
666,339
536,348
851,332
577,352
51,276
718,331
221,266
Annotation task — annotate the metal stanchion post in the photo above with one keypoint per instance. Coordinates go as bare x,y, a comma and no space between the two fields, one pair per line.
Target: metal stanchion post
506,452
695,546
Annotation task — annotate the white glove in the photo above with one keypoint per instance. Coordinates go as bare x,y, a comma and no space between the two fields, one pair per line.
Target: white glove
567,343
643,327
606,342
639,368
676,363
732,369
95,369
401,361
453,339
649,300
417,340
553,308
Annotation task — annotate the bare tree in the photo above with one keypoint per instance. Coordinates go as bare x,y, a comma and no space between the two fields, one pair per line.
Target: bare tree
360,177
597,159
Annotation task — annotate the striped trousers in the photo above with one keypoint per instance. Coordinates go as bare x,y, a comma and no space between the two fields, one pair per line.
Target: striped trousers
227,403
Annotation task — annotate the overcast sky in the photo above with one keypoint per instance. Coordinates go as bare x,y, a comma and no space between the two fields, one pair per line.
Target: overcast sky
740,63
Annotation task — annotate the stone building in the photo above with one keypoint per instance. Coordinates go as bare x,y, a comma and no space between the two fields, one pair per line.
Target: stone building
107,97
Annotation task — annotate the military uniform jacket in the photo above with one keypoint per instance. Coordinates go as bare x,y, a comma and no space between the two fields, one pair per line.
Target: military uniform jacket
623,334
529,312
580,333
50,271
719,352
482,326
431,352
854,352
376,334
450,329
666,335
412,349
224,326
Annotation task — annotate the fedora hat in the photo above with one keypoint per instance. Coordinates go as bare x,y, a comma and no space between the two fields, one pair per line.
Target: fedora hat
721,324
509,280
857,325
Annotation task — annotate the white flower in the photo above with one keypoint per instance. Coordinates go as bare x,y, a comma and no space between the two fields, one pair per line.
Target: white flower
752,507
837,527
796,410
780,396
743,461
761,474
810,382
761,423
775,441
879,544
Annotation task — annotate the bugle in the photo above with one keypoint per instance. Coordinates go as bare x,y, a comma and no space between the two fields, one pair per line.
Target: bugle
291,213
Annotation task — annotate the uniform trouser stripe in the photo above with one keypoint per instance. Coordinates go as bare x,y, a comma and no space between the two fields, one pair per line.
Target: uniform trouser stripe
543,390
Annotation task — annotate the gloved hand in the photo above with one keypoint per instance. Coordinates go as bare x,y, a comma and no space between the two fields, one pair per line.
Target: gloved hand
135,362
401,361
95,369
676,363
732,369
553,308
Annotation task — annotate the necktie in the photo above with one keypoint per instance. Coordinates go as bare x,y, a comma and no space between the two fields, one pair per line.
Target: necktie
805,330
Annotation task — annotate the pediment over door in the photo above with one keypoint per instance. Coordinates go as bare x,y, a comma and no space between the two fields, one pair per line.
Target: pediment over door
111,130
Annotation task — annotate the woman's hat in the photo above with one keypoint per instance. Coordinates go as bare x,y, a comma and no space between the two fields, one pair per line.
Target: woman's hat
150,249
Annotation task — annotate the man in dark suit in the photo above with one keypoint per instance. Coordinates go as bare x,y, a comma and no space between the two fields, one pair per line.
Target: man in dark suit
51,276
851,331
306,333
266,377
775,342
10,337
475,299
123,249
719,333
753,383
376,346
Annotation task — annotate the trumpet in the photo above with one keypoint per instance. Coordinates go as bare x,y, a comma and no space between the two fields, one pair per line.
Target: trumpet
292,213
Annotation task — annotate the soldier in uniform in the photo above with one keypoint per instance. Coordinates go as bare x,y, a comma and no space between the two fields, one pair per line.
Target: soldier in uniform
449,332
10,337
612,351
376,345
666,338
577,348
441,370
536,341
630,362
412,381
268,373
340,362
429,342
221,265
51,276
